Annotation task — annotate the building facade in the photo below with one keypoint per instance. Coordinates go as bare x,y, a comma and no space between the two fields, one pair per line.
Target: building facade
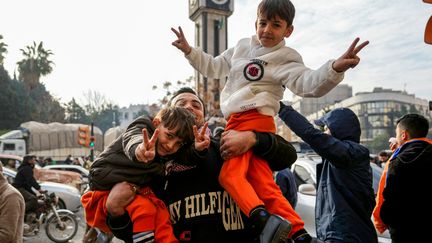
378,112
308,106
128,114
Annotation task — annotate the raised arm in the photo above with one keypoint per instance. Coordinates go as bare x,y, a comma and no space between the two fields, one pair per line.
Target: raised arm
339,153
306,82
181,42
207,65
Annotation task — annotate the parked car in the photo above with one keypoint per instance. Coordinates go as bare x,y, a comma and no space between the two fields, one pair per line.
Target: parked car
64,177
69,196
304,170
74,168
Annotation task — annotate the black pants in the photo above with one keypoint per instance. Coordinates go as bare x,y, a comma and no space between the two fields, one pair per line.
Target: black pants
30,200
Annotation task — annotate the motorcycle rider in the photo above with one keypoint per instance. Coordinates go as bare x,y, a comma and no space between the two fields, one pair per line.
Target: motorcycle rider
25,181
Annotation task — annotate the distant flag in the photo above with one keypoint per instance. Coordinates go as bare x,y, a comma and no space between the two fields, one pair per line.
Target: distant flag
221,23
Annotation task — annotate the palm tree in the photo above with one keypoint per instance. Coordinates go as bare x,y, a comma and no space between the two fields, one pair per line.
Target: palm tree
35,64
3,50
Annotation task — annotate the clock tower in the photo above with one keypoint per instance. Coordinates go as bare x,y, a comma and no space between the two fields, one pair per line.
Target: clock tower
211,35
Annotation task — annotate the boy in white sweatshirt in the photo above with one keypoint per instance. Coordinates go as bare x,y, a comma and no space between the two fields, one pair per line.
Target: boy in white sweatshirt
258,70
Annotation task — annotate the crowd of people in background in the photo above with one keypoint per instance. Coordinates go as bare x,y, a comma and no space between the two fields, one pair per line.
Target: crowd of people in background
381,158
83,161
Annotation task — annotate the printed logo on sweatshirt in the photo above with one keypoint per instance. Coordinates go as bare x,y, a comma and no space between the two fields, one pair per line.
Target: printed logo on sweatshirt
204,204
254,70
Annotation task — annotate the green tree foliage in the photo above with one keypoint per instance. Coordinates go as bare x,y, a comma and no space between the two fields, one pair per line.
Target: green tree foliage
26,99
45,109
19,104
167,86
75,113
96,109
3,50
105,118
35,64
8,100
95,103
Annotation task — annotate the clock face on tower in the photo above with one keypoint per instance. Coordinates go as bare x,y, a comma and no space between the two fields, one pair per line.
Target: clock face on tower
219,4
196,7
220,1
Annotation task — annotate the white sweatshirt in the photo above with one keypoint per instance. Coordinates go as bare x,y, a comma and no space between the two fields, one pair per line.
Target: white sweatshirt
257,75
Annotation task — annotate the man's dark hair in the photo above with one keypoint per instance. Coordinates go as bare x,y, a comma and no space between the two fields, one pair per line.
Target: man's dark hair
416,125
179,119
272,8
383,153
27,158
187,90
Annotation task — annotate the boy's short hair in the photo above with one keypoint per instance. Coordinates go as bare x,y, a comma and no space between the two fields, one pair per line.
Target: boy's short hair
179,120
416,125
272,8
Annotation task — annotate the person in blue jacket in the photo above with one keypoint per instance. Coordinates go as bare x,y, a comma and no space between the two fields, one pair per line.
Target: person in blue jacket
285,179
345,197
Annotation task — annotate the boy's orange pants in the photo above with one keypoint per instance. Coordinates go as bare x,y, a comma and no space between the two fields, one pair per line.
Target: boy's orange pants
249,179
147,213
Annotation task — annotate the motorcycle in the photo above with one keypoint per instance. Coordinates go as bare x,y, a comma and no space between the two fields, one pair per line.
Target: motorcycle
61,225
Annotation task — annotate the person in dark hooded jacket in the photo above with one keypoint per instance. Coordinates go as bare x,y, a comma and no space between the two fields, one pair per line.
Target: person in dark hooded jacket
345,197
408,177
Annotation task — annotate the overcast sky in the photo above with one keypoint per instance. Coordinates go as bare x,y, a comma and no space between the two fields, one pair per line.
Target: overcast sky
122,48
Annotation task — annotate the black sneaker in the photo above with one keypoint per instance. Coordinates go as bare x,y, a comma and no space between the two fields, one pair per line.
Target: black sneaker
276,230
270,228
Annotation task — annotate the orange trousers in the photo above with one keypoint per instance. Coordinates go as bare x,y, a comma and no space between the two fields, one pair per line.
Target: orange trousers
147,213
249,179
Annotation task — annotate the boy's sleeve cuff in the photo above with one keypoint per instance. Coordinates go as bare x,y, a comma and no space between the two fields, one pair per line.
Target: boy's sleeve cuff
191,53
334,75
262,144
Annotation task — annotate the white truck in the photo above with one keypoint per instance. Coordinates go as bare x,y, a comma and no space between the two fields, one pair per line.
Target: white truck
55,140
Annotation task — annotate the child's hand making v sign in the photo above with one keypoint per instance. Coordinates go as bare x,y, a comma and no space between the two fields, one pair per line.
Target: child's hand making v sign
146,151
349,59
202,139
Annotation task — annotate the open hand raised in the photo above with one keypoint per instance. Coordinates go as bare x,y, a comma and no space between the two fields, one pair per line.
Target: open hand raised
146,151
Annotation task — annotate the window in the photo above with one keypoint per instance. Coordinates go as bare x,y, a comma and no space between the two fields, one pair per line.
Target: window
8,146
